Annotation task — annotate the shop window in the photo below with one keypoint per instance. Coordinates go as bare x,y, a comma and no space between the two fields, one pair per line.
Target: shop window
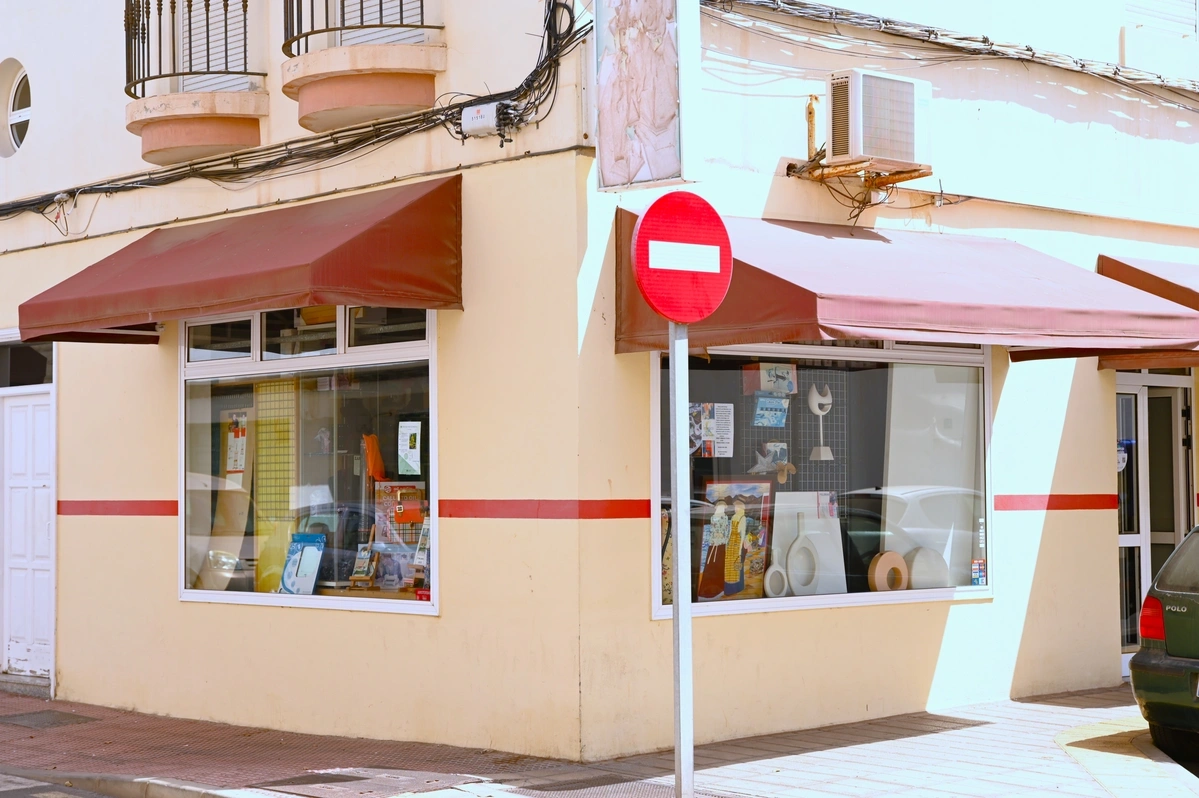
218,341
372,326
299,332
826,477
26,364
311,482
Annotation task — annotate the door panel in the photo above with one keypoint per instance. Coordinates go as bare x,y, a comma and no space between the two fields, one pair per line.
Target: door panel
28,516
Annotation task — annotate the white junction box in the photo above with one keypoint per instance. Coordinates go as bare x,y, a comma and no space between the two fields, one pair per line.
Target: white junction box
481,120
879,117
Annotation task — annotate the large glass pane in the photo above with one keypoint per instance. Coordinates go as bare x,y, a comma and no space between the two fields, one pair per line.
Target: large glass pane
370,326
816,477
26,364
1130,597
1162,452
220,341
1126,463
312,482
299,332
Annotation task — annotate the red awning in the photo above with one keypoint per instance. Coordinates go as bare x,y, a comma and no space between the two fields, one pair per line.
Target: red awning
797,281
399,248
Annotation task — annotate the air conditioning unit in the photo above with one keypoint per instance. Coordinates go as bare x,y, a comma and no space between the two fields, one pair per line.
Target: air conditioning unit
878,117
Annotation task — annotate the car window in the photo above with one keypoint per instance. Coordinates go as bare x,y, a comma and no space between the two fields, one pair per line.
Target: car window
1180,574
949,511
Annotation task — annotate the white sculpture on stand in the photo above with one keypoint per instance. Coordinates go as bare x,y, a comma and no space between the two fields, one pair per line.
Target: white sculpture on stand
820,403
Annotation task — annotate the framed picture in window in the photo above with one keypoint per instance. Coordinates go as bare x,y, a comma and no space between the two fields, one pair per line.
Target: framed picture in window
735,539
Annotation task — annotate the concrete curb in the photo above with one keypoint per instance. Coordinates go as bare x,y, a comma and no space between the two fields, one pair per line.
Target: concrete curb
1144,744
135,787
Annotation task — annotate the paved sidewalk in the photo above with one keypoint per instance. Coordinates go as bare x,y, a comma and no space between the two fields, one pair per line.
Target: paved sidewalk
1080,744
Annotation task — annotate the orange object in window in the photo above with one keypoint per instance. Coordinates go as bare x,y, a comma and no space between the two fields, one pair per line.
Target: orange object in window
374,458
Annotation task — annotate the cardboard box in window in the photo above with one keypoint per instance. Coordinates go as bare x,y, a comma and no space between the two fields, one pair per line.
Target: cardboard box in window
322,314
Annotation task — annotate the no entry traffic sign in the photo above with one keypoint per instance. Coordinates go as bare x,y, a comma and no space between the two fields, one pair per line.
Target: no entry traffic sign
682,258
683,264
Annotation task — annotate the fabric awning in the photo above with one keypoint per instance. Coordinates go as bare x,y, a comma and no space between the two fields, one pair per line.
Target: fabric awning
399,247
795,281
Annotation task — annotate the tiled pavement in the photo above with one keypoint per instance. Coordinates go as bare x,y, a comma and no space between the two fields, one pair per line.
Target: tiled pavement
1080,744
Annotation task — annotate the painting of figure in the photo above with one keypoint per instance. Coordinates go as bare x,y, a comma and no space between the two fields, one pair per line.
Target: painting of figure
735,540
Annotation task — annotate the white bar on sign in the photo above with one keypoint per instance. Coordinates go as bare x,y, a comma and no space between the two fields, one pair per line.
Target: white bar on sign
676,257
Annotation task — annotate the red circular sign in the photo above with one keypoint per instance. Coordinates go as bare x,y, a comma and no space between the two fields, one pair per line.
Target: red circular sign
682,258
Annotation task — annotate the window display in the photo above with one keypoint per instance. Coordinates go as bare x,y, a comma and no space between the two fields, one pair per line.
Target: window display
821,477
309,482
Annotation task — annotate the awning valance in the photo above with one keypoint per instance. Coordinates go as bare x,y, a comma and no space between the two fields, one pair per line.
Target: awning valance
399,247
796,281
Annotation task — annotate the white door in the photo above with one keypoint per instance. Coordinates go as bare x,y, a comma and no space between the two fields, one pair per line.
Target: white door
28,513
1153,463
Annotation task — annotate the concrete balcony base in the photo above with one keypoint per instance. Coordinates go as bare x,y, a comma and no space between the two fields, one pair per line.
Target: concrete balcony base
184,127
344,86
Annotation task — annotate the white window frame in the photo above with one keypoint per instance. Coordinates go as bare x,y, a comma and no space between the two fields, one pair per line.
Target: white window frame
897,353
346,357
14,116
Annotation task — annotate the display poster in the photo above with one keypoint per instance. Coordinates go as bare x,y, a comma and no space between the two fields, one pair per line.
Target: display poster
637,82
781,377
235,450
399,511
303,561
771,409
711,429
735,540
409,445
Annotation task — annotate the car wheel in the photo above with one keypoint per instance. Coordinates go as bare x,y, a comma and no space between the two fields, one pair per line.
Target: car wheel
1179,744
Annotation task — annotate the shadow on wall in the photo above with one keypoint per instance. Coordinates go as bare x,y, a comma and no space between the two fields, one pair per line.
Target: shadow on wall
1069,97
1071,634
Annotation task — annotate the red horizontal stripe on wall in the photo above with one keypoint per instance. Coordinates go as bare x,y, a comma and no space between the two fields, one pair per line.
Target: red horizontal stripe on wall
1057,501
561,509
151,507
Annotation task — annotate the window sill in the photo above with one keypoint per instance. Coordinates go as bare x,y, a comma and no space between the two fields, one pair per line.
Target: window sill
791,603
355,604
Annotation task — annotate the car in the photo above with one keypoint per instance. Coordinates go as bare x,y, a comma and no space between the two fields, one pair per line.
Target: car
345,526
1165,669
943,518
220,518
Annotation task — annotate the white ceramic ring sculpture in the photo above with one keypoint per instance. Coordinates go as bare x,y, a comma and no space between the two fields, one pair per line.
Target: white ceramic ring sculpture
803,566
775,581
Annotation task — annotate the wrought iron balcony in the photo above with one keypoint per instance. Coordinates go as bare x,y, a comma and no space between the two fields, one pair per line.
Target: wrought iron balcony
191,45
310,25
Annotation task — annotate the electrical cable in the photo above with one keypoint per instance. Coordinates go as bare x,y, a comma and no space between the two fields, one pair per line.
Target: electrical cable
526,104
1139,80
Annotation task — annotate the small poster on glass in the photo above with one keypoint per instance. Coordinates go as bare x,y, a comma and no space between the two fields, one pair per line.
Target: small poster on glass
409,445
303,561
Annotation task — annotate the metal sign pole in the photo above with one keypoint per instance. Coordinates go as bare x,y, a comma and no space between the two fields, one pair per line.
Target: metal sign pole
680,503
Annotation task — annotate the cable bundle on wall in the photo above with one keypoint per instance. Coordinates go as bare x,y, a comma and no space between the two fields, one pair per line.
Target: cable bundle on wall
526,104
976,46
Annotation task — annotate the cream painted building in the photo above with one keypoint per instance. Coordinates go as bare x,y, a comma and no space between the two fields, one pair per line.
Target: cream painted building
319,395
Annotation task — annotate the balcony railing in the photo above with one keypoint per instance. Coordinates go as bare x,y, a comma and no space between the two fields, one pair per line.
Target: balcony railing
316,24
191,45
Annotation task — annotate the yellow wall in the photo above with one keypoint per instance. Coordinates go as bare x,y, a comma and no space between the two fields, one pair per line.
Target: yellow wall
499,668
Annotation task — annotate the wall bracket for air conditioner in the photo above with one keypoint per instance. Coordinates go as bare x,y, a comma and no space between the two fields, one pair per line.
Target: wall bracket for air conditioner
867,171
